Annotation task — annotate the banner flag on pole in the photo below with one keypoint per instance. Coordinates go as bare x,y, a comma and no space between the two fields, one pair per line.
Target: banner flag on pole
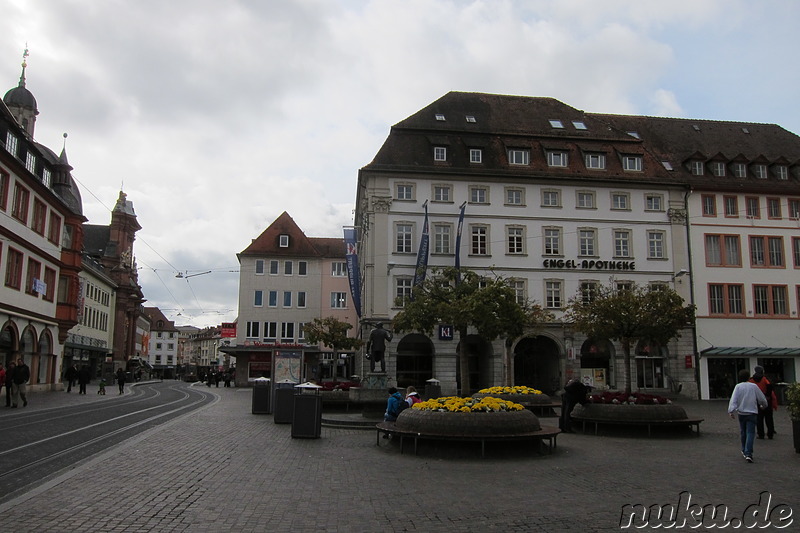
458,237
422,253
353,274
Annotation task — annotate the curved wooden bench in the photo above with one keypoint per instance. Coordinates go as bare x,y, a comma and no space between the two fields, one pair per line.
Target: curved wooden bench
691,422
544,434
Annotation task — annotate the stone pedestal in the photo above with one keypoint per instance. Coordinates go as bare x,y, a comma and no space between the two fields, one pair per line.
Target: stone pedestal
372,395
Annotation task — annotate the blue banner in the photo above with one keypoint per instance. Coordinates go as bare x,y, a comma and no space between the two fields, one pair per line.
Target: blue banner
422,253
353,274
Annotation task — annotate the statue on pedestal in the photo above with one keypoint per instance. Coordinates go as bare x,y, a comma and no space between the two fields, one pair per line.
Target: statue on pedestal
376,346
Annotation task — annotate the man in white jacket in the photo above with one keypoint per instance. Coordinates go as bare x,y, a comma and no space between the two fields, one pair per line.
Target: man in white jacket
746,400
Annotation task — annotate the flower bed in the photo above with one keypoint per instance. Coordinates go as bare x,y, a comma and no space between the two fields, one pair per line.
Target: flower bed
629,412
634,398
522,395
454,404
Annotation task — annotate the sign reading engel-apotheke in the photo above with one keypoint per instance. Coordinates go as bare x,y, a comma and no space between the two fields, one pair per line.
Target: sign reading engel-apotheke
589,264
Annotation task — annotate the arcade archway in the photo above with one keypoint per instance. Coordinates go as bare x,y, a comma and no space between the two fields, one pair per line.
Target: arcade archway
536,364
414,361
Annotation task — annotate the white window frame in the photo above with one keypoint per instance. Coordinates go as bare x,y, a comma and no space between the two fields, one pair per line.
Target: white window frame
338,300
581,198
274,267
557,158
782,172
479,240
404,191
442,192
404,240
595,161
760,171
475,155
620,201
552,237
515,240
554,293
632,163
653,202
739,170
339,269
622,243
548,195
515,196
402,289
283,241
656,244
442,238
478,195
260,267
587,242
439,153
718,169
519,156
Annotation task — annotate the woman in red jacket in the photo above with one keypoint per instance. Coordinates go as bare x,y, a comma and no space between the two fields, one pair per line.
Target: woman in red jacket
765,415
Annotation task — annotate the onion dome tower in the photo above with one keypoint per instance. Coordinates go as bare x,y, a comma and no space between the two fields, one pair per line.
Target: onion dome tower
21,103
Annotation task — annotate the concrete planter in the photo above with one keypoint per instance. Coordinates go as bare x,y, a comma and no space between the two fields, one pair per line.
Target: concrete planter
467,424
622,412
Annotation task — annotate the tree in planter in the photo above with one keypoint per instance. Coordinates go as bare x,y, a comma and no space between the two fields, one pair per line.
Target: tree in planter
464,299
331,332
627,315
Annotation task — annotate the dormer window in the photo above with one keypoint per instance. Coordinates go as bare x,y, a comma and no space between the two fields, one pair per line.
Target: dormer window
760,171
718,169
470,119
596,161
440,153
556,124
740,170
697,168
30,162
781,172
439,116
11,144
283,241
632,163
557,159
519,157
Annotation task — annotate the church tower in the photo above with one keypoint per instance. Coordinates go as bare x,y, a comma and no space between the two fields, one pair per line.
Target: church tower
21,103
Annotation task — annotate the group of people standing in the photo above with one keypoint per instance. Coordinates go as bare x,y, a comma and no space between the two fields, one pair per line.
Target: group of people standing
15,379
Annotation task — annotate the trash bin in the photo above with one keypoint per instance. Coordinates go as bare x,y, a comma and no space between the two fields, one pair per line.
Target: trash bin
780,392
307,411
261,397
432,389
284,401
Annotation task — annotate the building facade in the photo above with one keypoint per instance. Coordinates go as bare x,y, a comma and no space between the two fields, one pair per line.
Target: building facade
41,238
559,201
286,280
162,344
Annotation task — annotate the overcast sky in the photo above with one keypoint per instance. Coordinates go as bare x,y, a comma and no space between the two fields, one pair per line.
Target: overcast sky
216,116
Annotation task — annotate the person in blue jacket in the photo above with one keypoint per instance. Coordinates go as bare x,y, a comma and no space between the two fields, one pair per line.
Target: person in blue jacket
392,405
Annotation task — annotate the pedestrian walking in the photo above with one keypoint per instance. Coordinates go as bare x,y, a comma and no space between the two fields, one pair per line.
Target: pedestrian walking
19,383
745,401
9,377
84,377
121,380
765,415
71,376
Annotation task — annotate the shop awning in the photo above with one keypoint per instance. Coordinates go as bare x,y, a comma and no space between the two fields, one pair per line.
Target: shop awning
749,351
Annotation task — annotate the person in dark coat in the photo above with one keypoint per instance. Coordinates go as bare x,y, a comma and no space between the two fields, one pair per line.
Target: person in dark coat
575,393
121,380
765,415
84,377
19,383
71,376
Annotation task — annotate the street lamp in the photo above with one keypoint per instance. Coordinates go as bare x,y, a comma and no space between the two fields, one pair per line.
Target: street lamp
187,275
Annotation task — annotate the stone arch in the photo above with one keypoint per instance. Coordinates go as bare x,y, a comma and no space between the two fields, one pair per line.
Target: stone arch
537,363
28,346
479,355
9,343
47,361
414,361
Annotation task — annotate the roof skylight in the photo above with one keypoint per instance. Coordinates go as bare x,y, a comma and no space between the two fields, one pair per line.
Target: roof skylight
439,116
470,118
579,124
556,123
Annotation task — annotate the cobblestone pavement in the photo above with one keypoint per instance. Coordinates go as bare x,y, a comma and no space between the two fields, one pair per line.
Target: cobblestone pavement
225,469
